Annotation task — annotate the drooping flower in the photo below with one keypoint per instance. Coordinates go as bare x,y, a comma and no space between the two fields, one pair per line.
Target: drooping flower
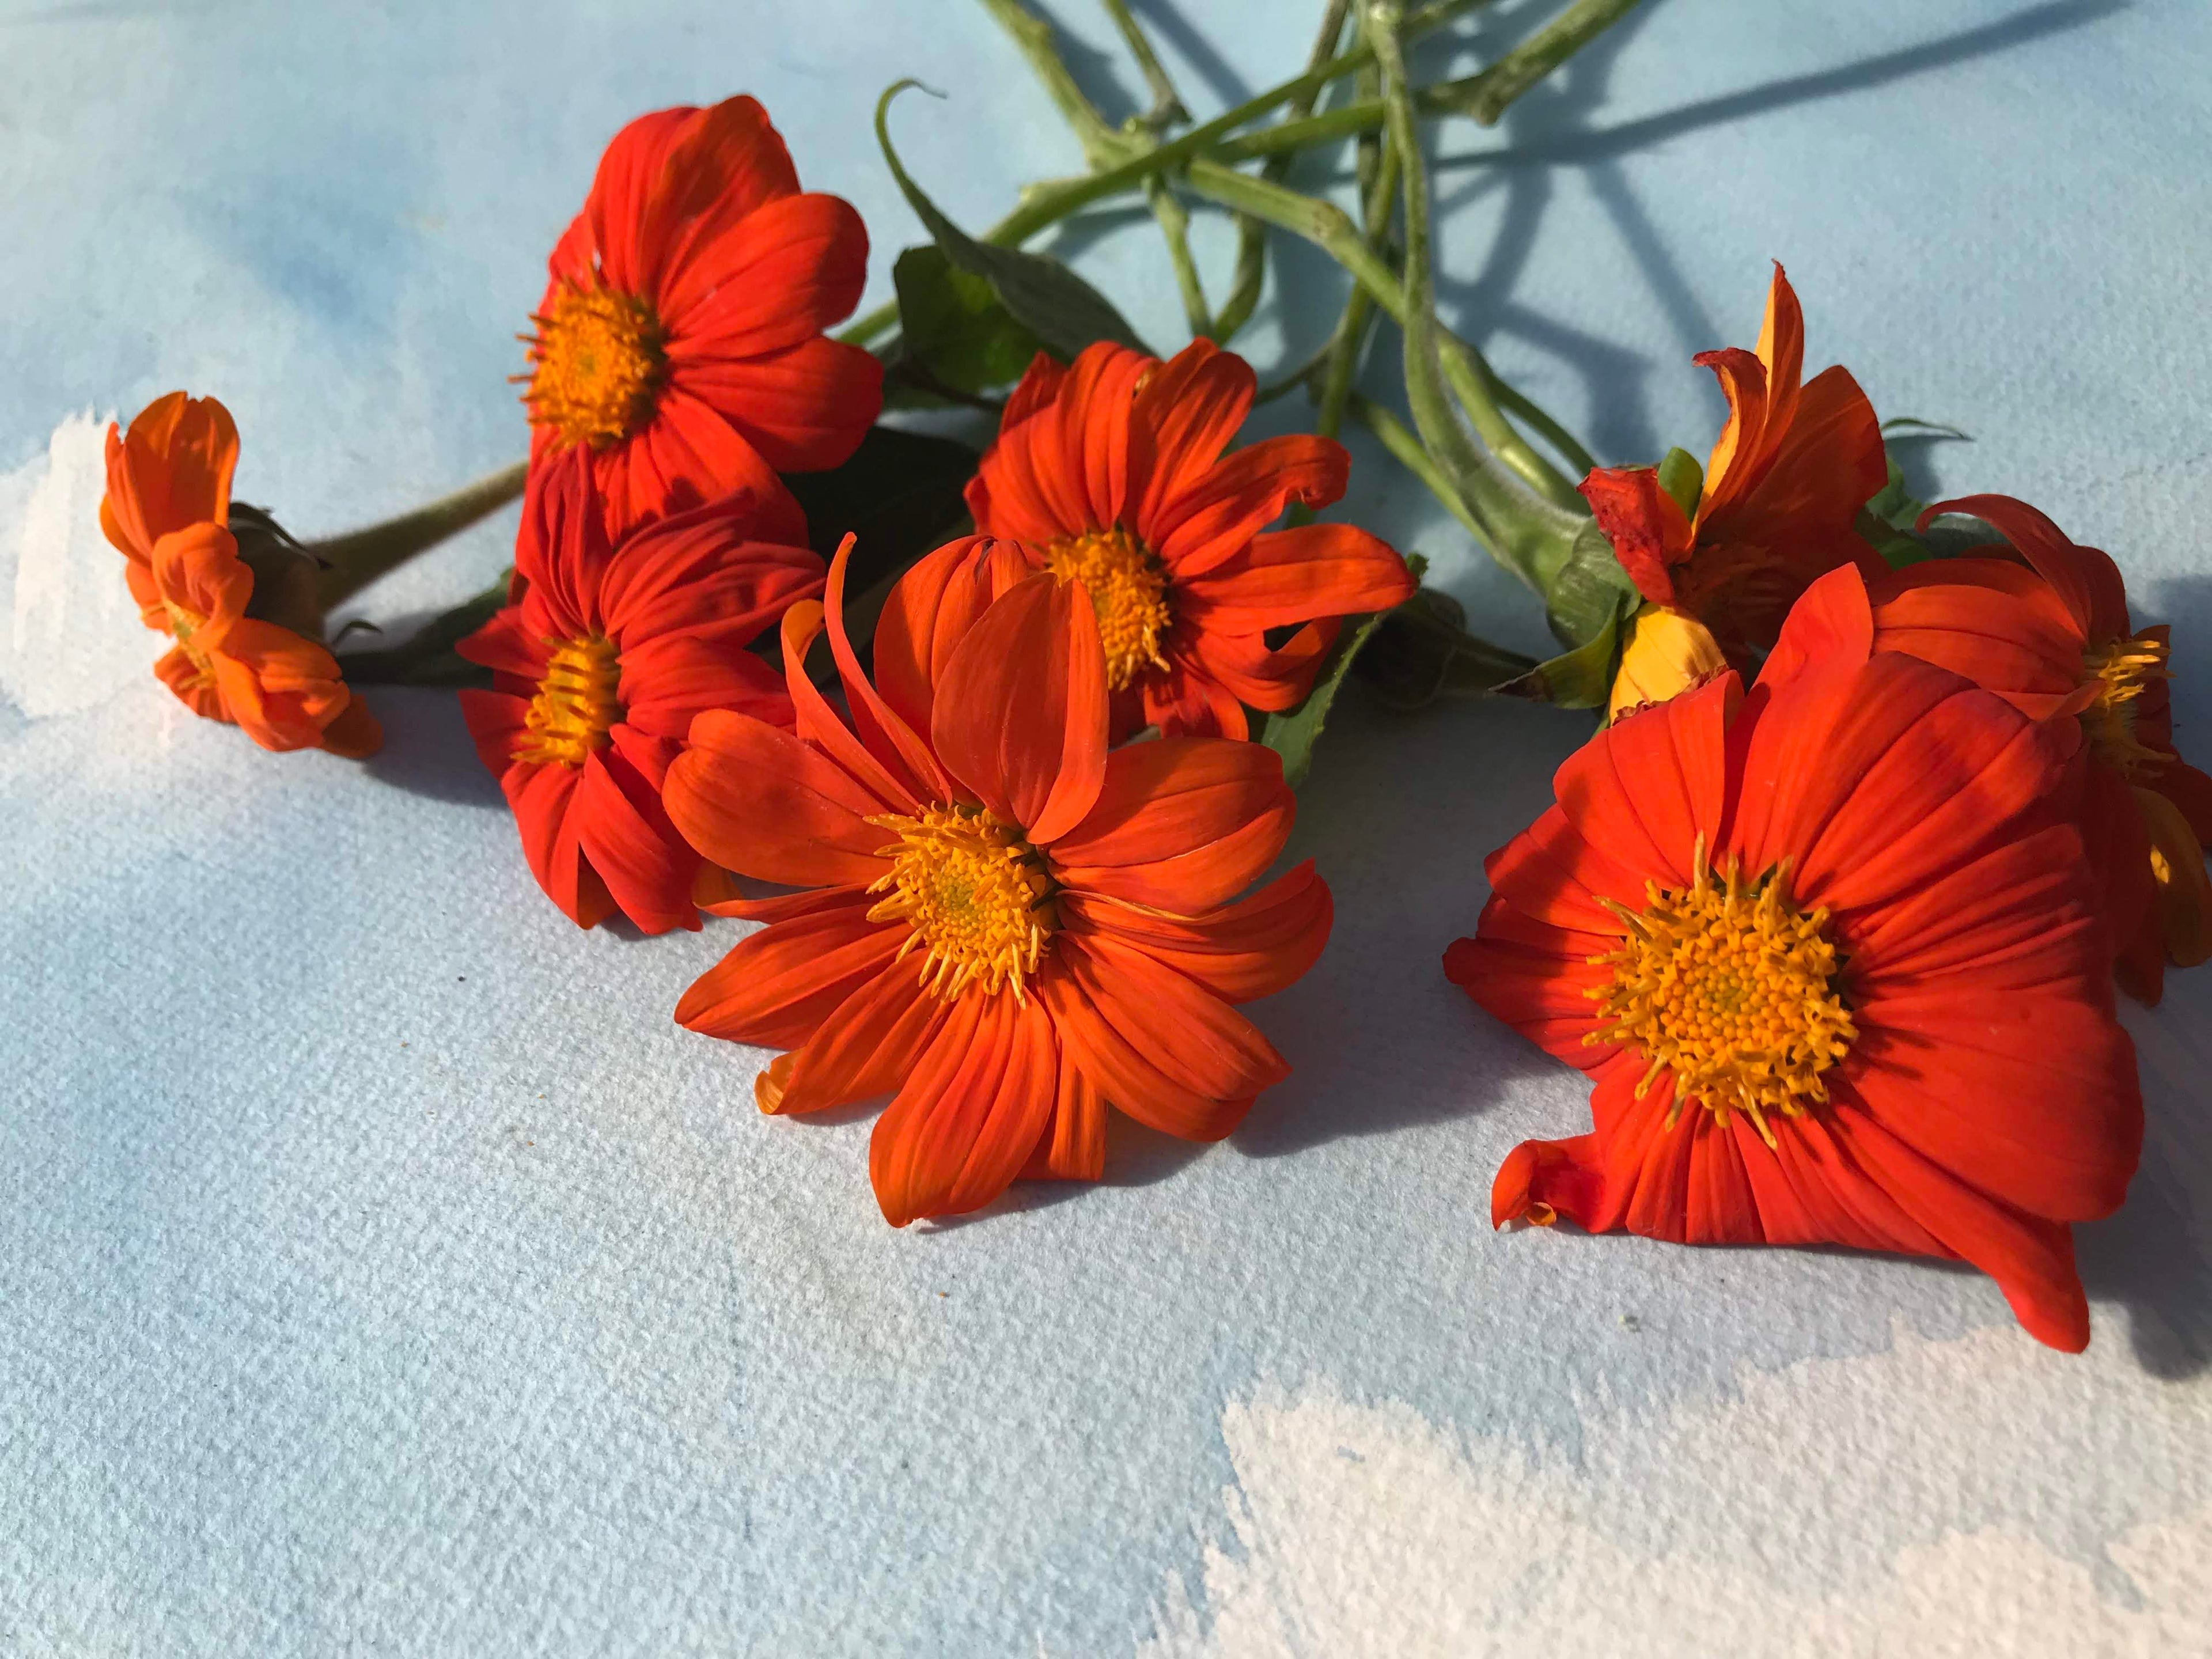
680,340
1831,955
1006,929
2051,636
609,650
1667,653
1111,472
1785,480
167,512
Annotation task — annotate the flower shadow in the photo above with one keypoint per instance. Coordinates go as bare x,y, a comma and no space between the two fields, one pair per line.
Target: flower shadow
1379,1039
426,750
2155,1257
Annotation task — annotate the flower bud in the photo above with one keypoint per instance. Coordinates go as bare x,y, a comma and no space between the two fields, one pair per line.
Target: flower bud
1667,653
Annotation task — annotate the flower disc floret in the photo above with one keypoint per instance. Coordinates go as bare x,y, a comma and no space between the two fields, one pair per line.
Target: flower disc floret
598,363
2122,671
1726,986
576,705
976,895
1128,586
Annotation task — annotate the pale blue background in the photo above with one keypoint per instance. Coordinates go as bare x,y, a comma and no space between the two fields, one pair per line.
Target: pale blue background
382,1271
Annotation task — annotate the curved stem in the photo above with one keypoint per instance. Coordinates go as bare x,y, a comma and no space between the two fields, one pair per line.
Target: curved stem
351,562
1530,535
1251,271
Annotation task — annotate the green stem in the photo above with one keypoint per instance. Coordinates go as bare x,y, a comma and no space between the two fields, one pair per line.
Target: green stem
1047,207
350,563
1406,446
1102,145
1174,227
1519,402
871,325
1486,96
1167,108
1251,273
1330,228
1529,536
1351,327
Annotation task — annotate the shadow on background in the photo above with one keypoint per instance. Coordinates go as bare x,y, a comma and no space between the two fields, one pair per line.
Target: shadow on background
1400,812
427,749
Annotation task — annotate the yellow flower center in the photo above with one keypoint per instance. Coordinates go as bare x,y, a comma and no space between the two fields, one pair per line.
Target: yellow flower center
975,894
1726,986
1128,592
185,624
574,706
2122,671
596,366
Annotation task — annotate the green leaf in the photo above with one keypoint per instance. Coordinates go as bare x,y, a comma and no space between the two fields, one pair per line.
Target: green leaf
1586,597
1042,295
1293,733
899,496
1582,678
1680,477
953,324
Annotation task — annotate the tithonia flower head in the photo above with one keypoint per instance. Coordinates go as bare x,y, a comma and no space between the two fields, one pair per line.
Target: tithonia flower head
1111,472
167,512
1005,926
680,342
1785,483
610,648
2048,631
1830,954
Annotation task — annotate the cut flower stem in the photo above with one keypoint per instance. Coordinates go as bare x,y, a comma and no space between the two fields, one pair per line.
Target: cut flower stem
351,562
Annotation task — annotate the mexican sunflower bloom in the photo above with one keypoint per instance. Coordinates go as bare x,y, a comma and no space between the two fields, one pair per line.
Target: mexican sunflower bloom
2050,633
1785,483
1112,472
609,649
1829,952
167,512
680,339
1006,928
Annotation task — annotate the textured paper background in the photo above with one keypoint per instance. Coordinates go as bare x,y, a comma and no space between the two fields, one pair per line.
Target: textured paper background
382,1272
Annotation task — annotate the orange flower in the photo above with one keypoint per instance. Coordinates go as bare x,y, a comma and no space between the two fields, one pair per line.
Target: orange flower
1007,926
680,340
1830,954
600,663
1786,480
2053,637
1111,473
166,511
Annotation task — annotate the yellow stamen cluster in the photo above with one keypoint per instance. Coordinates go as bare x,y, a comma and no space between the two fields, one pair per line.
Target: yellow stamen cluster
1726,986
975,894
2122,671
185,624
575,703
1128,592
598,366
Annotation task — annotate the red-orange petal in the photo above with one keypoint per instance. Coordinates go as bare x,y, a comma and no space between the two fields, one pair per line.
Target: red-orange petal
1181,824
1246,950
929,611
867,1047
1020,715
776,988
1123,1073
970,1112
756,800
1294,576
